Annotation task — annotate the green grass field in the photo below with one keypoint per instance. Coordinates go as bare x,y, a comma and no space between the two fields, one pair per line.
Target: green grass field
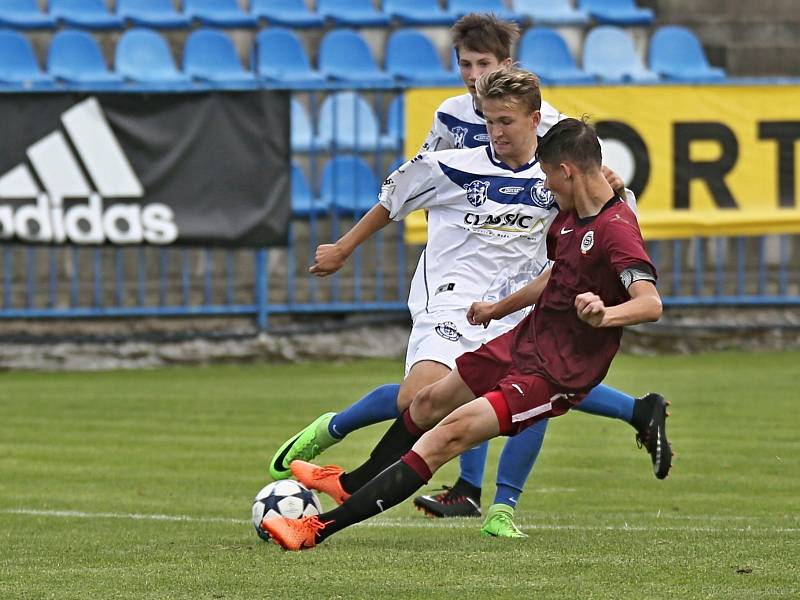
139,484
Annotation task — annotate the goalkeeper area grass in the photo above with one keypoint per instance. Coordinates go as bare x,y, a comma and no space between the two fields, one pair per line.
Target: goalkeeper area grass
139,484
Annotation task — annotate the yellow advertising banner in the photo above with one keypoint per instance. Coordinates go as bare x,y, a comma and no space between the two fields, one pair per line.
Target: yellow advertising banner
702,160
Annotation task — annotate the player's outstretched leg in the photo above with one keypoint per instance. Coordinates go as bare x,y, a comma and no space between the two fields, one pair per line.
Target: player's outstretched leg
516,463
500,523
322,479
650,421
464,498
647,415
328,429
294,534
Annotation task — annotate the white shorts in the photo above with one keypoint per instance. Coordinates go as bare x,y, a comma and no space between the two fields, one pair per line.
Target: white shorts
444,335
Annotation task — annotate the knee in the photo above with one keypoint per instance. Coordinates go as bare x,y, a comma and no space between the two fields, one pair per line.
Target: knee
404,399
426,408
451,440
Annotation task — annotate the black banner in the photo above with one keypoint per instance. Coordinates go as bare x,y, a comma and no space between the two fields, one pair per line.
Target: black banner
209,168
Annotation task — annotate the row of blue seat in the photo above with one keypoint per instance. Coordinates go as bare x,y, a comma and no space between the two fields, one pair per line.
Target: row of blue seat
94,14
674,54
346,121
278,56
348,187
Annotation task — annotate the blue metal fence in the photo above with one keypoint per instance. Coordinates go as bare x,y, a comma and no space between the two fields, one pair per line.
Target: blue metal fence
342,157
61,282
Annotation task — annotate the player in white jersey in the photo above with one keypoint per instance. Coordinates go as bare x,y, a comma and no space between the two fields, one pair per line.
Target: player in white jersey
484,215
459,123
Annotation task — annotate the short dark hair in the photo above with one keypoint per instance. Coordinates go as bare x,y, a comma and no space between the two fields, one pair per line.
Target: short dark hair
484,32
519,84
571,140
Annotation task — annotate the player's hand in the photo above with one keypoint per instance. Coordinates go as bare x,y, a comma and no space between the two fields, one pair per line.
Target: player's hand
614,180
480,313
328,259
590,308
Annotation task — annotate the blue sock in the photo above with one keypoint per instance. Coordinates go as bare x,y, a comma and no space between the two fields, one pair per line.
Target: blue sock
473,463
605,401
379,405
516,463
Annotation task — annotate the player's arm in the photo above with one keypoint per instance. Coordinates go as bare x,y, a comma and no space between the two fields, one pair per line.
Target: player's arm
481,313
618,186
438,137
329,258
406,189
644,306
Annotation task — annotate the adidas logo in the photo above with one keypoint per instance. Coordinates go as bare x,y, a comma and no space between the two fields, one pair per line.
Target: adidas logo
100,170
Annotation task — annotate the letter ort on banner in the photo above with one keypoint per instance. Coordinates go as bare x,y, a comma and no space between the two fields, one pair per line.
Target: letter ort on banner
142,169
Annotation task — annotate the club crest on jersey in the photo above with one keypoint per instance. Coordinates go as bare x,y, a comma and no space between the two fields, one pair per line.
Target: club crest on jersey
541,196
587,242
448,331
476,192
459,133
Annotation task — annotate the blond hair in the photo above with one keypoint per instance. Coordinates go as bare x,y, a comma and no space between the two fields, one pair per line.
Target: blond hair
521,85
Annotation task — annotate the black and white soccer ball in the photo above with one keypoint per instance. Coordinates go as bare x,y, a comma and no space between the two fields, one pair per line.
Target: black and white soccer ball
285,498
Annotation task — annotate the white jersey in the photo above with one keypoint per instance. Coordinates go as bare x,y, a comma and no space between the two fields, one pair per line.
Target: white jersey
457,124
486,225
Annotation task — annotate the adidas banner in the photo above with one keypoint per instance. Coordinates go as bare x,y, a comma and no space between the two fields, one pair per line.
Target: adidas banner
194,169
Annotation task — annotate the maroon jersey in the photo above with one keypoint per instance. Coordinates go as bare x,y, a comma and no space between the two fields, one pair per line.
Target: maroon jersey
590,255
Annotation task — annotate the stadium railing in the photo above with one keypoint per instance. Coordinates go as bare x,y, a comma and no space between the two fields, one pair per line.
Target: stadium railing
83,282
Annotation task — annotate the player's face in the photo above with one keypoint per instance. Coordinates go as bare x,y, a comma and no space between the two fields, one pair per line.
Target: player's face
512,129
558,181
474,64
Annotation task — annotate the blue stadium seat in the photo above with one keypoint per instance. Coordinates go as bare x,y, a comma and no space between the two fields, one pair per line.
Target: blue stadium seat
211,56
143,56
18,63
551,12
75,57
285,13
304,204
395,120
676,53
302,132
354,13
412,58
617,12
345,56
279,56
545,52
218,13
349,185
608,52
151,13
24,14
417,12
91,14
348,122
459,8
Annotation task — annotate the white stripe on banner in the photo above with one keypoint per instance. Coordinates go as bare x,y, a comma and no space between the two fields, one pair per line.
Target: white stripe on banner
100,151
57,168
18,183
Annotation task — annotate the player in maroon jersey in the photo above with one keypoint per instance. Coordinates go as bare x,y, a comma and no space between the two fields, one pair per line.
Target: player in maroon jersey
602,280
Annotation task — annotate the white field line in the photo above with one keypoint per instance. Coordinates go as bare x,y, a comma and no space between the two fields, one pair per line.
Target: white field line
395,522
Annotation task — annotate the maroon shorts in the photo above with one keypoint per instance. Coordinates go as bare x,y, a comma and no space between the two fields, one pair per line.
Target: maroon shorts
519,399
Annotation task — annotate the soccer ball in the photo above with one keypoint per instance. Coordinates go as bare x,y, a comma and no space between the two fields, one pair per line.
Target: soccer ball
285,498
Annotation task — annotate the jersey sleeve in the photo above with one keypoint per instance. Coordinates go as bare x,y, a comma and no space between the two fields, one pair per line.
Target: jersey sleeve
438,138
411,187
624,245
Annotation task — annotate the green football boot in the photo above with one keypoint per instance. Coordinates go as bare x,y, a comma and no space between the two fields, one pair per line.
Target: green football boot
500,523
305,445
